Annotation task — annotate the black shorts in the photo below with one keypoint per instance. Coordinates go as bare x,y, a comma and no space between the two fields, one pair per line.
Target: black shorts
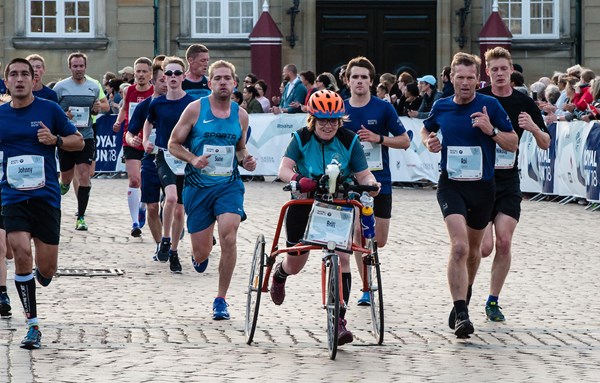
508,198
382,206
131,153
167,177
296,220
474,200
34,216
68,160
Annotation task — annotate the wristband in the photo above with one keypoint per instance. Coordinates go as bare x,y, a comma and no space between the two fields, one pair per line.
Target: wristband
59,141
381,139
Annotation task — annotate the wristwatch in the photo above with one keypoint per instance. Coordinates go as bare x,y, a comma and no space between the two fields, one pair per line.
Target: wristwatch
495,132
59,141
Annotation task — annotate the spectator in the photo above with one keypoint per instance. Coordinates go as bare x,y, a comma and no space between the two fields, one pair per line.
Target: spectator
447,87
127,74
250,79
382,92
517,81
308,80
392,89
344,90
261,88
412,99
430,95
594,107
250,103
538,91
583,97
114,95
294,92
236,96
277,99
404,79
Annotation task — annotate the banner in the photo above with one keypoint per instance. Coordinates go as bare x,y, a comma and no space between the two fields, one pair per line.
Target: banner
108,145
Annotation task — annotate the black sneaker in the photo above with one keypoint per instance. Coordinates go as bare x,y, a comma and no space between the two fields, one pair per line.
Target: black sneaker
463,326
174,263
163,251
452,319
5,306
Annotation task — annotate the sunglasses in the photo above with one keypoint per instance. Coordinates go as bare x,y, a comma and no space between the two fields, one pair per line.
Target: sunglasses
170,73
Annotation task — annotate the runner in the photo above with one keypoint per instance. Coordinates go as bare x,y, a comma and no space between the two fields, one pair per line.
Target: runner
39,89
471,124
214,129
196,83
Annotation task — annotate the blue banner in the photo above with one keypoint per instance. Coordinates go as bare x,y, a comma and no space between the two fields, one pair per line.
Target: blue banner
591,151
108,145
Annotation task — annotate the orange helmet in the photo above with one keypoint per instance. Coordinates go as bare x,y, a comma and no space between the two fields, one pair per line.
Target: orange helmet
326,104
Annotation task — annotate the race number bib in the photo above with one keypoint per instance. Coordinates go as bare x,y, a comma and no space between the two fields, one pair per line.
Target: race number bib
464,163
1,167
81,116
373,155
176,165
328,222
132,106
152,139
220,161
26,172
504,158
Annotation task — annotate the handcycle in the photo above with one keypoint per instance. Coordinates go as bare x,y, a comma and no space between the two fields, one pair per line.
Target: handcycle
331,280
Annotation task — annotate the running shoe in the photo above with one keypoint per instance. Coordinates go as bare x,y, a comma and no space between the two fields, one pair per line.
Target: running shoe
200,267
41,279
174,263
64,189
452,318
344,335
136,232
365,299
277,290
163,251
463,326
220,311
33,339
142,215
5,308
81,225
493,313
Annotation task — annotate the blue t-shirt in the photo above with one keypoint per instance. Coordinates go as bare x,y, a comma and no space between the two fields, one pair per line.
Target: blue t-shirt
454,122
219,137
46,93
379,117
2,87
164,114
18,136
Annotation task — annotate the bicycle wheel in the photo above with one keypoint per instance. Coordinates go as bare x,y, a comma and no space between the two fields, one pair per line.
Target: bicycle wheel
333,304
375,292
254,288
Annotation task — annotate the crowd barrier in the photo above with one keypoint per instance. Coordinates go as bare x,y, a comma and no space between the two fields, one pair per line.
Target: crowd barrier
568,168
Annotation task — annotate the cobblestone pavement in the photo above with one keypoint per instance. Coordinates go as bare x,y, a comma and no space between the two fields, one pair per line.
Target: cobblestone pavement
149,325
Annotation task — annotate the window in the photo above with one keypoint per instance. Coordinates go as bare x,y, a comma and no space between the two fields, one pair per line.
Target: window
223,18
60,18
531,18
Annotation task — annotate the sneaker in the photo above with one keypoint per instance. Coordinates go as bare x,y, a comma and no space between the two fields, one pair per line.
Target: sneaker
174,263
64,189
365,300
163,251
463,326
5,308
452,318
33,339
220,311
344,335
200,267
493,313
81,225
41,279
136,232
277,290
142,215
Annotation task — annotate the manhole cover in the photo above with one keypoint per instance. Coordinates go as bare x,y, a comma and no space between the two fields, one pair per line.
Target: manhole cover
76,272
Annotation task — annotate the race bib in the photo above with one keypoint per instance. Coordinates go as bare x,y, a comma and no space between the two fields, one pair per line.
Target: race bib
152,139
176,165
81,116
132,106
1,167
328,222
373,155
26,172
220,161
504,158
464,163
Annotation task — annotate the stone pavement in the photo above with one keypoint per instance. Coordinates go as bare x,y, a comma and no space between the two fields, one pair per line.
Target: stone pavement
149,325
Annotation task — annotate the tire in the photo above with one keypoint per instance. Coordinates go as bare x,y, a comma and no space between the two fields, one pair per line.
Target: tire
375,292
254,288
333,304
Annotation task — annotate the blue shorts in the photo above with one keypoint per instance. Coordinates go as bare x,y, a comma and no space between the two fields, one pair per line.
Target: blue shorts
204,205
150,181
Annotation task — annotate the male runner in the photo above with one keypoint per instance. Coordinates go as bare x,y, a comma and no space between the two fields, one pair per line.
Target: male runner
39,89
196,83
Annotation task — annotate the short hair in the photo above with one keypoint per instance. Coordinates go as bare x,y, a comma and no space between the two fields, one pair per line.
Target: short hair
143,60
466,59
552,93
158,59
538,87
517,78
263,85
36,57
173,60
292,68
361,62
406,77
446,71
155,69
587,75
412,88
77,55
497,53
194,49
251,89
220,64
253,77
18,60
308,75
388,78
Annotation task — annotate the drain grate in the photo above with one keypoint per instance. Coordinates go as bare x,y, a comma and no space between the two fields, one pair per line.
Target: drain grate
77,272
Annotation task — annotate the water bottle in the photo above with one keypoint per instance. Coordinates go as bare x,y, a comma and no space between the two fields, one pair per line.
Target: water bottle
367,218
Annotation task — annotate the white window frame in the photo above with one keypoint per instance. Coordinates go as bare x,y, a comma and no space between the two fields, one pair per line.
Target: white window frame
525,19
60,22
224,20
